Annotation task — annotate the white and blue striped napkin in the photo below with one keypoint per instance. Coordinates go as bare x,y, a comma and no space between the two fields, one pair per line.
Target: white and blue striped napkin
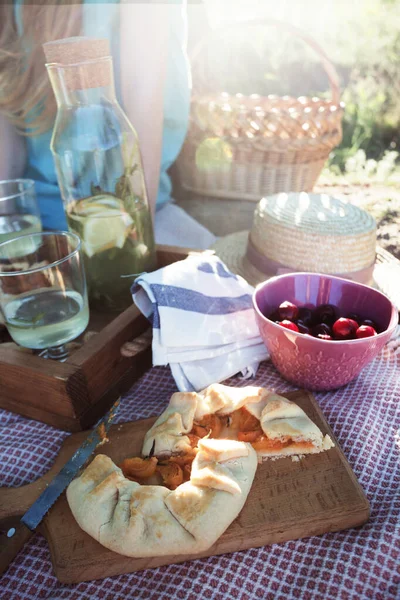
204,325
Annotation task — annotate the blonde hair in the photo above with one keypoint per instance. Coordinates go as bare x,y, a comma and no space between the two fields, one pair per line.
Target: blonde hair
26,97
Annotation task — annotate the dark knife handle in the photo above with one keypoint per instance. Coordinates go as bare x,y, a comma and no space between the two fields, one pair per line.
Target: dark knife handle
10,545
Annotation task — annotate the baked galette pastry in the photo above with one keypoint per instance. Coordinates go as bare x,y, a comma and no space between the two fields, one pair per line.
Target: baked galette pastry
141,520
273,425
197,466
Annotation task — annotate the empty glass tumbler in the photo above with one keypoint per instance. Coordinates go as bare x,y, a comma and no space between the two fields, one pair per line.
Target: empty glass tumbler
19,211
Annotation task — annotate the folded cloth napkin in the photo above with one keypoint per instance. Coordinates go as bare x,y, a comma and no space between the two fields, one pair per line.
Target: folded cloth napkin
204,325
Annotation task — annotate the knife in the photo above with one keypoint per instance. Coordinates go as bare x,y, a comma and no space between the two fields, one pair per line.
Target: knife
14,538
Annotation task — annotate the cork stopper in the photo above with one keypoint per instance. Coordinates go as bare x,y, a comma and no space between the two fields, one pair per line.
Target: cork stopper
83,59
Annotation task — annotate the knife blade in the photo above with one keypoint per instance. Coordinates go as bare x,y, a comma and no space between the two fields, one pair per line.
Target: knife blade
39,509
18,535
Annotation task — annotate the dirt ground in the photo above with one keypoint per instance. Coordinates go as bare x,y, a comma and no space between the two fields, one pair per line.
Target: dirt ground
383,202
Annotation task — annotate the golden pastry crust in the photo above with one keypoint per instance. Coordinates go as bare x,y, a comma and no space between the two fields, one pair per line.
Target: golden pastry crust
205,448
151,520
277,419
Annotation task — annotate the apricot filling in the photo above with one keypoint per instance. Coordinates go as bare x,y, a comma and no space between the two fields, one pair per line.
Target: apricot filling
170,472
175,470
139,468
210,425
240,425
245,427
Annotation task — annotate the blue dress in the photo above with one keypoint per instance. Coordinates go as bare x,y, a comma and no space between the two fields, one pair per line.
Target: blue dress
102,20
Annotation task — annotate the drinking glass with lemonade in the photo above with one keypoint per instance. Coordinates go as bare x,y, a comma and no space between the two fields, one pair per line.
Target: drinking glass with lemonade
43,298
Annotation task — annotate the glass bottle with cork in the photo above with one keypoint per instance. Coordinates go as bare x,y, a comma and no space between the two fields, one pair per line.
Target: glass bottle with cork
99,170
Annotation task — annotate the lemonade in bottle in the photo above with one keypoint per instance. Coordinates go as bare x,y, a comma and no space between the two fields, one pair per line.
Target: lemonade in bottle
99,169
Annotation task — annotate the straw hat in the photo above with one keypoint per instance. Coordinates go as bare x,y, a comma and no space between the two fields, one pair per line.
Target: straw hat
302,232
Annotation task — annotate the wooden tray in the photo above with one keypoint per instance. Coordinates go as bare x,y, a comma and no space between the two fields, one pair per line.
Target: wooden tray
74,394
288,500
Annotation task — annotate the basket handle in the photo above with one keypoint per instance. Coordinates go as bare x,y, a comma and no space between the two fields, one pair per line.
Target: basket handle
295,31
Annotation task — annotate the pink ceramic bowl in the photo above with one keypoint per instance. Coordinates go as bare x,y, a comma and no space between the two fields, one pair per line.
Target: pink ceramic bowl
311,362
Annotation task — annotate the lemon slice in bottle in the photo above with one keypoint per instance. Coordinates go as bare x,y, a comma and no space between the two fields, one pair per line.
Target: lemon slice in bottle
94,204
104,223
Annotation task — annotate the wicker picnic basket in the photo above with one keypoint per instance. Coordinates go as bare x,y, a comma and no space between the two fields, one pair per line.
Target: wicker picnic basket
251,146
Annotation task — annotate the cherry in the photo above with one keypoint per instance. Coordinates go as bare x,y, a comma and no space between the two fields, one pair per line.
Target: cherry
354,317
365,331
289,325
288,310
370,323
274,316
354,324
321,329
325,313
302,327
305,315
322,322
344,329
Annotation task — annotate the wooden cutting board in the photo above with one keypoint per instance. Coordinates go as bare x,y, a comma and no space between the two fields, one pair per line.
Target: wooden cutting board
288,500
